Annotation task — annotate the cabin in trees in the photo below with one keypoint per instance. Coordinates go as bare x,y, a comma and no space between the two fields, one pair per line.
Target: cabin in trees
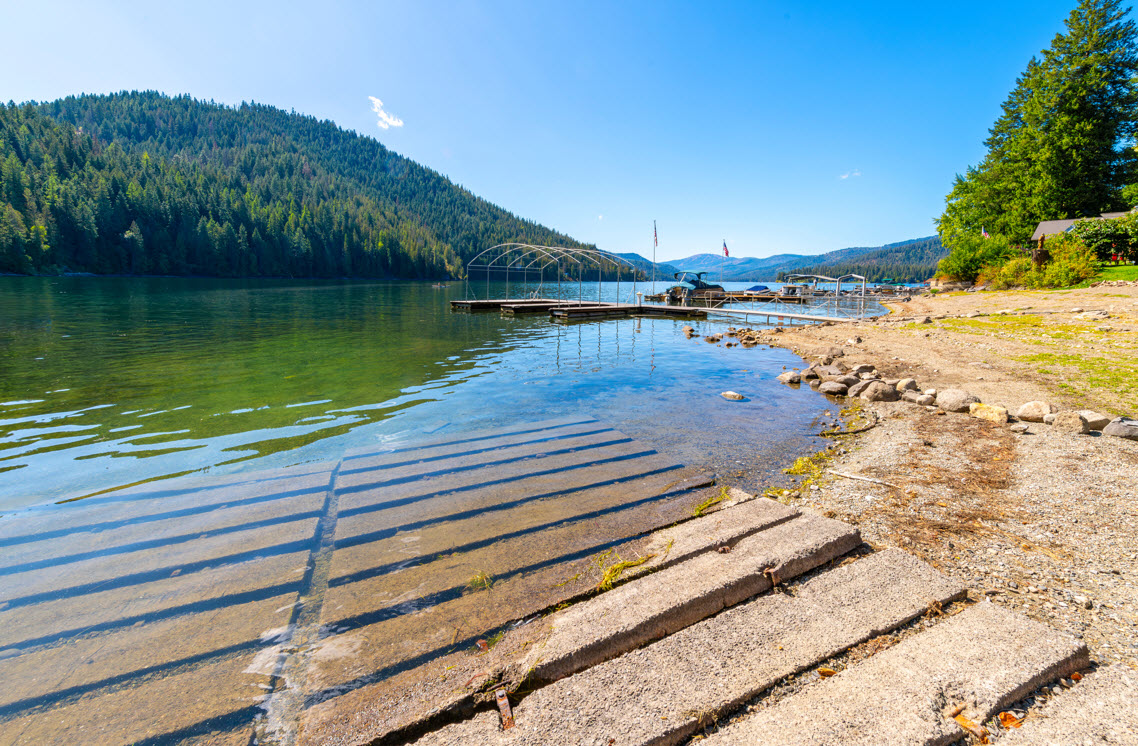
1055,227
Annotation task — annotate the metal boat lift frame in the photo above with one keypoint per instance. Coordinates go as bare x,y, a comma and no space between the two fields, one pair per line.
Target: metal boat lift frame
524,257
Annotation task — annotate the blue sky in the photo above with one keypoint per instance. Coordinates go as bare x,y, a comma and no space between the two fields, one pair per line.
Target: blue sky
779,126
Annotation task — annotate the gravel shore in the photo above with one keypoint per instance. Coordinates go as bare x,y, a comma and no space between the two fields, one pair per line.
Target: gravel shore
1042,521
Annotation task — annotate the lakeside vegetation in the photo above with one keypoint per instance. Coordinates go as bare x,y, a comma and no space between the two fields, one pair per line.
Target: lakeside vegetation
143,183
1062,148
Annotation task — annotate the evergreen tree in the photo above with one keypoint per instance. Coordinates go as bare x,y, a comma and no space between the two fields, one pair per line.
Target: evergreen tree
1062,144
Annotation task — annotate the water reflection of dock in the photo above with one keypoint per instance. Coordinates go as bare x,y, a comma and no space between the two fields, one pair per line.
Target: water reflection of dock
201,607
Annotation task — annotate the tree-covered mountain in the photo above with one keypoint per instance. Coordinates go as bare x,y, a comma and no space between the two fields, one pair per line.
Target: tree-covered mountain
907,261
143,183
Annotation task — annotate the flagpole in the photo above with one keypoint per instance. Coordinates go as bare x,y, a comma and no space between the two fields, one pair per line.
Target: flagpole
654,240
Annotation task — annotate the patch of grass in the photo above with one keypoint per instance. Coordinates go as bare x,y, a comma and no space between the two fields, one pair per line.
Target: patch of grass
1126,272
481,581
701,509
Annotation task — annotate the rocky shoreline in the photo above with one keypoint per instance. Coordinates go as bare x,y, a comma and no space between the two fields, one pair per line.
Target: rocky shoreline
1016,484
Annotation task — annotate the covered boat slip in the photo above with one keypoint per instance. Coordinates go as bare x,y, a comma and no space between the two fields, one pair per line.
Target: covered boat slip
225,607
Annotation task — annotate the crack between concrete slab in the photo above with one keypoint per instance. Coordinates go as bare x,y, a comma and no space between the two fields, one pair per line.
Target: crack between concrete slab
290,676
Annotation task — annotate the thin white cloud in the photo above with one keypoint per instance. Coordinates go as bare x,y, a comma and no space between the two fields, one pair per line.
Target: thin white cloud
385,120
600,217
849,174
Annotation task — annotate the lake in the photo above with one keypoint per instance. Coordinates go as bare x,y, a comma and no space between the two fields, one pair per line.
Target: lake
225,501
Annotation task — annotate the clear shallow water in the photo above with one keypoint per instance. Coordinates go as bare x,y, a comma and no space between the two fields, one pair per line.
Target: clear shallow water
106,382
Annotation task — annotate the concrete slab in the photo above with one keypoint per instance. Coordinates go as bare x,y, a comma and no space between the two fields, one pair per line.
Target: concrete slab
984,658
1100,709
455,440
667,601
659,694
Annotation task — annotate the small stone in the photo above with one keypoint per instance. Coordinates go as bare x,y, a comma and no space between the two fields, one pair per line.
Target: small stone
1071,422
910,396
907,384
988,412
836,352
878,391
1019,427
833,388
732,396
1122,427
926,320
867,376
790,376
1035,411
926,401
857,388
1094,420
861,368
930,392
1049,419
688,330
955,400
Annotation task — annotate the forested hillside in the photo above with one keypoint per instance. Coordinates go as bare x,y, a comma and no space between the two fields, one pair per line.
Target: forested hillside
911,261
142,183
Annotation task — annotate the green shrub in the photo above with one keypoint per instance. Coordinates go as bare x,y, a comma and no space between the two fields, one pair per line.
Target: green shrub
971,254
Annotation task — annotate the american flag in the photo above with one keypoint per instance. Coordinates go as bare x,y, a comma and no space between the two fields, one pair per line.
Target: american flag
725,248
655,241
984,233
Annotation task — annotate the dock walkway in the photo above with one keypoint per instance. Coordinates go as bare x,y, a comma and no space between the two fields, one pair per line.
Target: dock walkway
591,310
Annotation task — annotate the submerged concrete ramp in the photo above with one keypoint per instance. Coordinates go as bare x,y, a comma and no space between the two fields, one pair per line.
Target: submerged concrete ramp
195,608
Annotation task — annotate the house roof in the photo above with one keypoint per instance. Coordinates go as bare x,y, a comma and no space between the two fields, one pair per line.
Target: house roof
1052,227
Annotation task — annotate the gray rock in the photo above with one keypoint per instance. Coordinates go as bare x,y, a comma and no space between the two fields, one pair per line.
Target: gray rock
848,380
861,368
926,401
857,388
836,352
930,392
1035,411
732,396
907,384
955,400
834,388
1095,420
892,381
791,376
829,370
1049,419
879,391
1071,422
810,372
1122,427
910,396
1019,427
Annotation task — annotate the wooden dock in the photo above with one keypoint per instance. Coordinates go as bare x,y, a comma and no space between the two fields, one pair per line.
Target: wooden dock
575,310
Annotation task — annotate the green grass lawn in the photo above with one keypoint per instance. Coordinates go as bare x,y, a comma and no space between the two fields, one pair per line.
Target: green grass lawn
1119,272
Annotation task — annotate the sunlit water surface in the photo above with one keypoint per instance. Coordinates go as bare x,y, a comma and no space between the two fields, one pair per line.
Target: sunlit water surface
106,382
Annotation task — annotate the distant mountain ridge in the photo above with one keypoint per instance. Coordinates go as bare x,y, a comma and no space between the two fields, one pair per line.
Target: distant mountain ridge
907,261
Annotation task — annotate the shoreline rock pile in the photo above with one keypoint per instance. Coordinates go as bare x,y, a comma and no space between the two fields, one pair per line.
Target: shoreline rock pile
831,376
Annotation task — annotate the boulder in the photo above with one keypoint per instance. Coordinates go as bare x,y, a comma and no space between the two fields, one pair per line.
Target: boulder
868,375
830,370
879,391
892,381
713,338
988,412
791,376
1094,420
836,352
848,380
861,368
1122,427
811,372
1071,422
925,400
910,396
833,388
732,396
907,384
857,388
955,400
1035,411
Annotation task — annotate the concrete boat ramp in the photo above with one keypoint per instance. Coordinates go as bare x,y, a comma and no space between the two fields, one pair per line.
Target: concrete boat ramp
392,596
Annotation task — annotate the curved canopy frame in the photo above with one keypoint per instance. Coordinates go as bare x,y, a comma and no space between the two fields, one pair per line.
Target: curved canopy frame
523,258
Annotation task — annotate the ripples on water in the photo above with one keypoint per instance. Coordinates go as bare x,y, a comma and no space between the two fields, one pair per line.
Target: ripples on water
106,382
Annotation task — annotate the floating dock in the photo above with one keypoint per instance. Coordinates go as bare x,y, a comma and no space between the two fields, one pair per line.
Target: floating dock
590,310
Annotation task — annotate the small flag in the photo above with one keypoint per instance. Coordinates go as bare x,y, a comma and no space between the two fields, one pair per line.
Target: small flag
984,233
725,248
655,241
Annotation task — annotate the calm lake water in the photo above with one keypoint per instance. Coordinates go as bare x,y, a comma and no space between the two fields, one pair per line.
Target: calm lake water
106,382
165,581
